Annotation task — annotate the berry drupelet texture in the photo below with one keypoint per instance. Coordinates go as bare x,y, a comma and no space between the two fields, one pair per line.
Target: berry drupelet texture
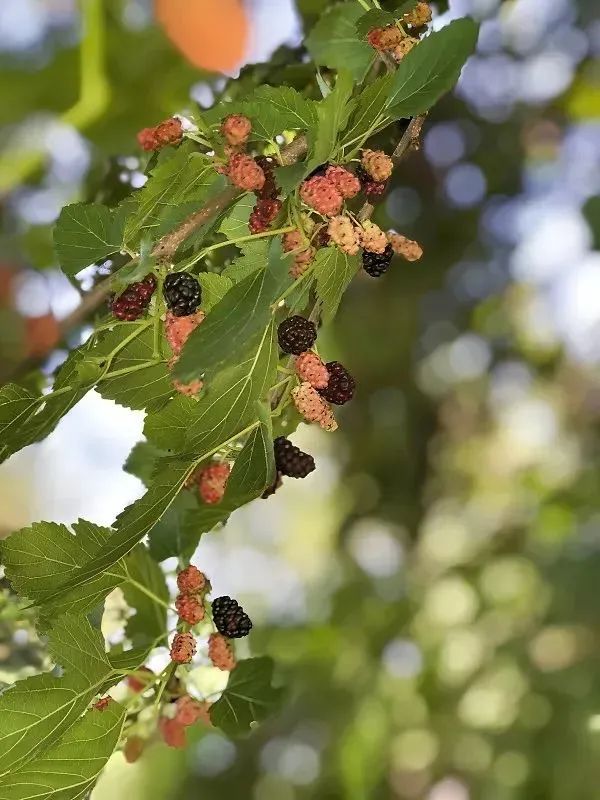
290,460
183,648
230,618
189,608
190,580
221,652
269,190
131,304
341,385
296,335
376,264
182,293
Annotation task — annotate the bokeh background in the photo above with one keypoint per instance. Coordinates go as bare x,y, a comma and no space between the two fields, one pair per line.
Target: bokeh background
430,595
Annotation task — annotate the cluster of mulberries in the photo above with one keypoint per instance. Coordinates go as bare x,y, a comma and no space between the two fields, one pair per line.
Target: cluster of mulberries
192,585
131,304
230,618
168,132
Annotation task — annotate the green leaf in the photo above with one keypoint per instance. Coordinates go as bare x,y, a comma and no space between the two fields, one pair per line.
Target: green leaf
200,428
149,623
254,256
334,41
235,224
378,18
86,233
375,18
36,712
69,769
170,536
274,109
147,383
26,418
142,461
179,177
249,697
333,270
333,114
290,177
431,68
46,555
253,471
214,289
371,104
231,328
591,212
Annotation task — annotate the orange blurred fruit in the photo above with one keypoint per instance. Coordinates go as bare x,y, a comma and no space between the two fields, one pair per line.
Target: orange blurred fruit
41,335
212,34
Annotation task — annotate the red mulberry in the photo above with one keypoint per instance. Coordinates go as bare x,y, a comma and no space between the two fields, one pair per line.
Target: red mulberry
236,129
245,173
322,195
189,608
344,181
212,482
190,580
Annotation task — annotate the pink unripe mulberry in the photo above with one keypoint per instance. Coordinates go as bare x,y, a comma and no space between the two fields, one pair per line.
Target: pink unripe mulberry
379,165
312,406
170,131
372,238
236,129
178,329
172,732
404,47
407,248
212,482
221,652
245,173
311,369
189,608
188,711
183,648
190,580
321,194
343,232
293,241
344,181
